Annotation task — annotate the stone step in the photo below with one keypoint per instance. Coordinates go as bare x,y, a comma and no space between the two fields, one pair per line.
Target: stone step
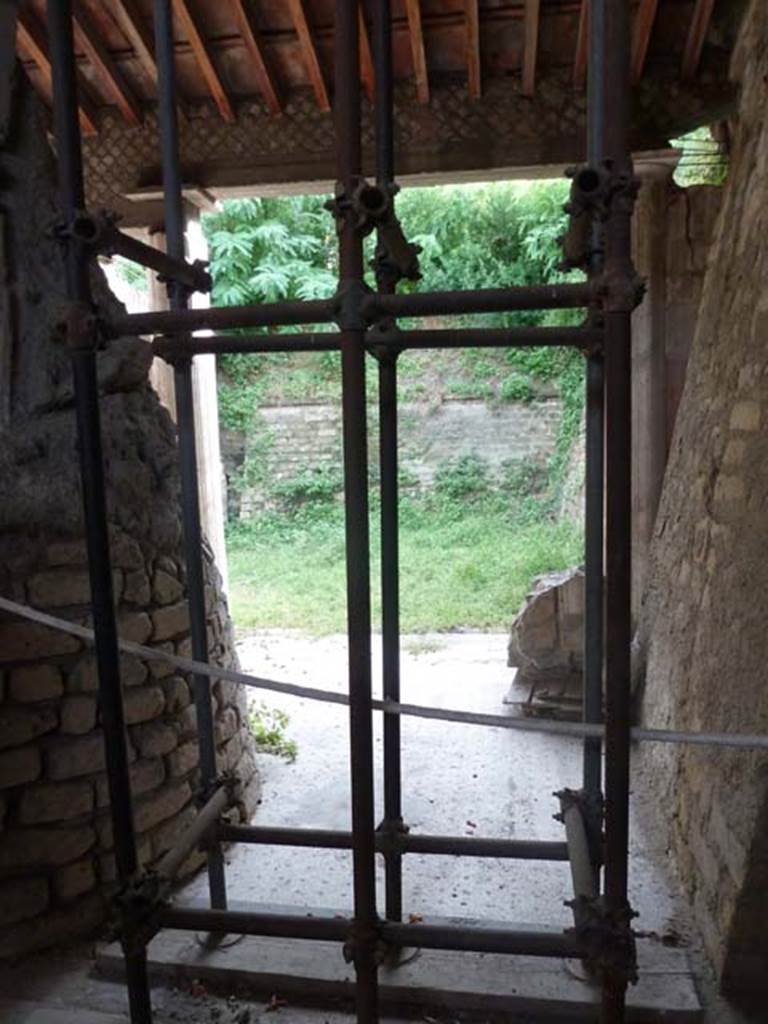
315,971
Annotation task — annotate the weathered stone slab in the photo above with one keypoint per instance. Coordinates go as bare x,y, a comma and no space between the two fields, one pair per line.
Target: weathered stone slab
28,641
166,589
67,759
20,725
546,638
143,703
32,847
21,899
18,766
59,588
31,683
171,621
57,802
155,738
74,880
78,715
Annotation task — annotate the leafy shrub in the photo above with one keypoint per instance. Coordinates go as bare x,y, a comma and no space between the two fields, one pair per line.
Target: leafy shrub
313,485
516,388
465,477
268,728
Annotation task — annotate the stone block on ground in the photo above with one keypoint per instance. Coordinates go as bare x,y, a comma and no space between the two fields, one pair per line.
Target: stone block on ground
546,638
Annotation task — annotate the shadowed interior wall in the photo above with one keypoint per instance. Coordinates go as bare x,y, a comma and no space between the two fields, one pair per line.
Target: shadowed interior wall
56,863
705,611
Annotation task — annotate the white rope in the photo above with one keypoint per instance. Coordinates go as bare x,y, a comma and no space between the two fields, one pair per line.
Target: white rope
580,730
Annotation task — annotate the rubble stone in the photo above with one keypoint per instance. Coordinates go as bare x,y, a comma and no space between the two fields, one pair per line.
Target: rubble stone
31,683
58,802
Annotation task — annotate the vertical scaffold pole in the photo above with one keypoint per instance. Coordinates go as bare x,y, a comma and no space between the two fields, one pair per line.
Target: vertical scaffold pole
185,416
388,466
619,277
349,164
594,501
83,351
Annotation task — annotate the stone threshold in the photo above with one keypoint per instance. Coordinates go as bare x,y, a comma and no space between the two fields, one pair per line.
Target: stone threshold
315,973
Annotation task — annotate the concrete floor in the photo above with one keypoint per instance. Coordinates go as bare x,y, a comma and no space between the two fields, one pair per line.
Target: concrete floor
460,779
457,780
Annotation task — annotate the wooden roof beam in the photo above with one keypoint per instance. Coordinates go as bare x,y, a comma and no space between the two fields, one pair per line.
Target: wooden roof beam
641,36
309,53
251,37
418,53
367,73
32,45
127,16
697,34
105,67
582,47
474,68
530,54
199,46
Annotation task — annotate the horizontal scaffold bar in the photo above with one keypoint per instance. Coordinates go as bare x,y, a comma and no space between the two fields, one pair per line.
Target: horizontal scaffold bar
223,318
521,940
555,727
404,842
480,300
317,311
478,337
99,233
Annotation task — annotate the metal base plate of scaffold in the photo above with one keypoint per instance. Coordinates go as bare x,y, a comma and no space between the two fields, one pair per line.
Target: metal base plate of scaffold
315,972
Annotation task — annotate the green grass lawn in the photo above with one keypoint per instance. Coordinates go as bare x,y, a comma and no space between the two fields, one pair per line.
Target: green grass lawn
461,566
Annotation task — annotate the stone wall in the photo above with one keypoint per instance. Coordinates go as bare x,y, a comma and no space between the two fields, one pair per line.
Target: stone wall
289,439
55,836
704,620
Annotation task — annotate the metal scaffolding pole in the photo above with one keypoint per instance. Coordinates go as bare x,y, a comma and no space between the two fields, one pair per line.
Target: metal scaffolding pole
594,490
185,412
82,339
618,309
364,937
392,823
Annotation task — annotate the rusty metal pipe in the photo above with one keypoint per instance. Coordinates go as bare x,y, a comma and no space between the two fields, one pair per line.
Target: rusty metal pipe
347,110
204,824
405,842
100,234
474,337
481,300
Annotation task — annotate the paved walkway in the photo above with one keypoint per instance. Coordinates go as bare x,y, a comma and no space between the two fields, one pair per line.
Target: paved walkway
457,779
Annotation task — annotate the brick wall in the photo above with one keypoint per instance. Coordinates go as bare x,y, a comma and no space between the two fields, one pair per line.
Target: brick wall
291,438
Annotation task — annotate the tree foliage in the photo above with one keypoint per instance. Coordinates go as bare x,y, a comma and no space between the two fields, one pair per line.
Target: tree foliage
472,236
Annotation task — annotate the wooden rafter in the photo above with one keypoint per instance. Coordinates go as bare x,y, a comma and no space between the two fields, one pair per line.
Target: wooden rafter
127,16
31,44
697,33
530,54
367,73
641,36
105,67
418,52
251,37
309,53
199,46
474,68
582,47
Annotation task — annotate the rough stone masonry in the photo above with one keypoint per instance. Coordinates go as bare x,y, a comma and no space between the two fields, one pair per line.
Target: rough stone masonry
56,862
704,620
